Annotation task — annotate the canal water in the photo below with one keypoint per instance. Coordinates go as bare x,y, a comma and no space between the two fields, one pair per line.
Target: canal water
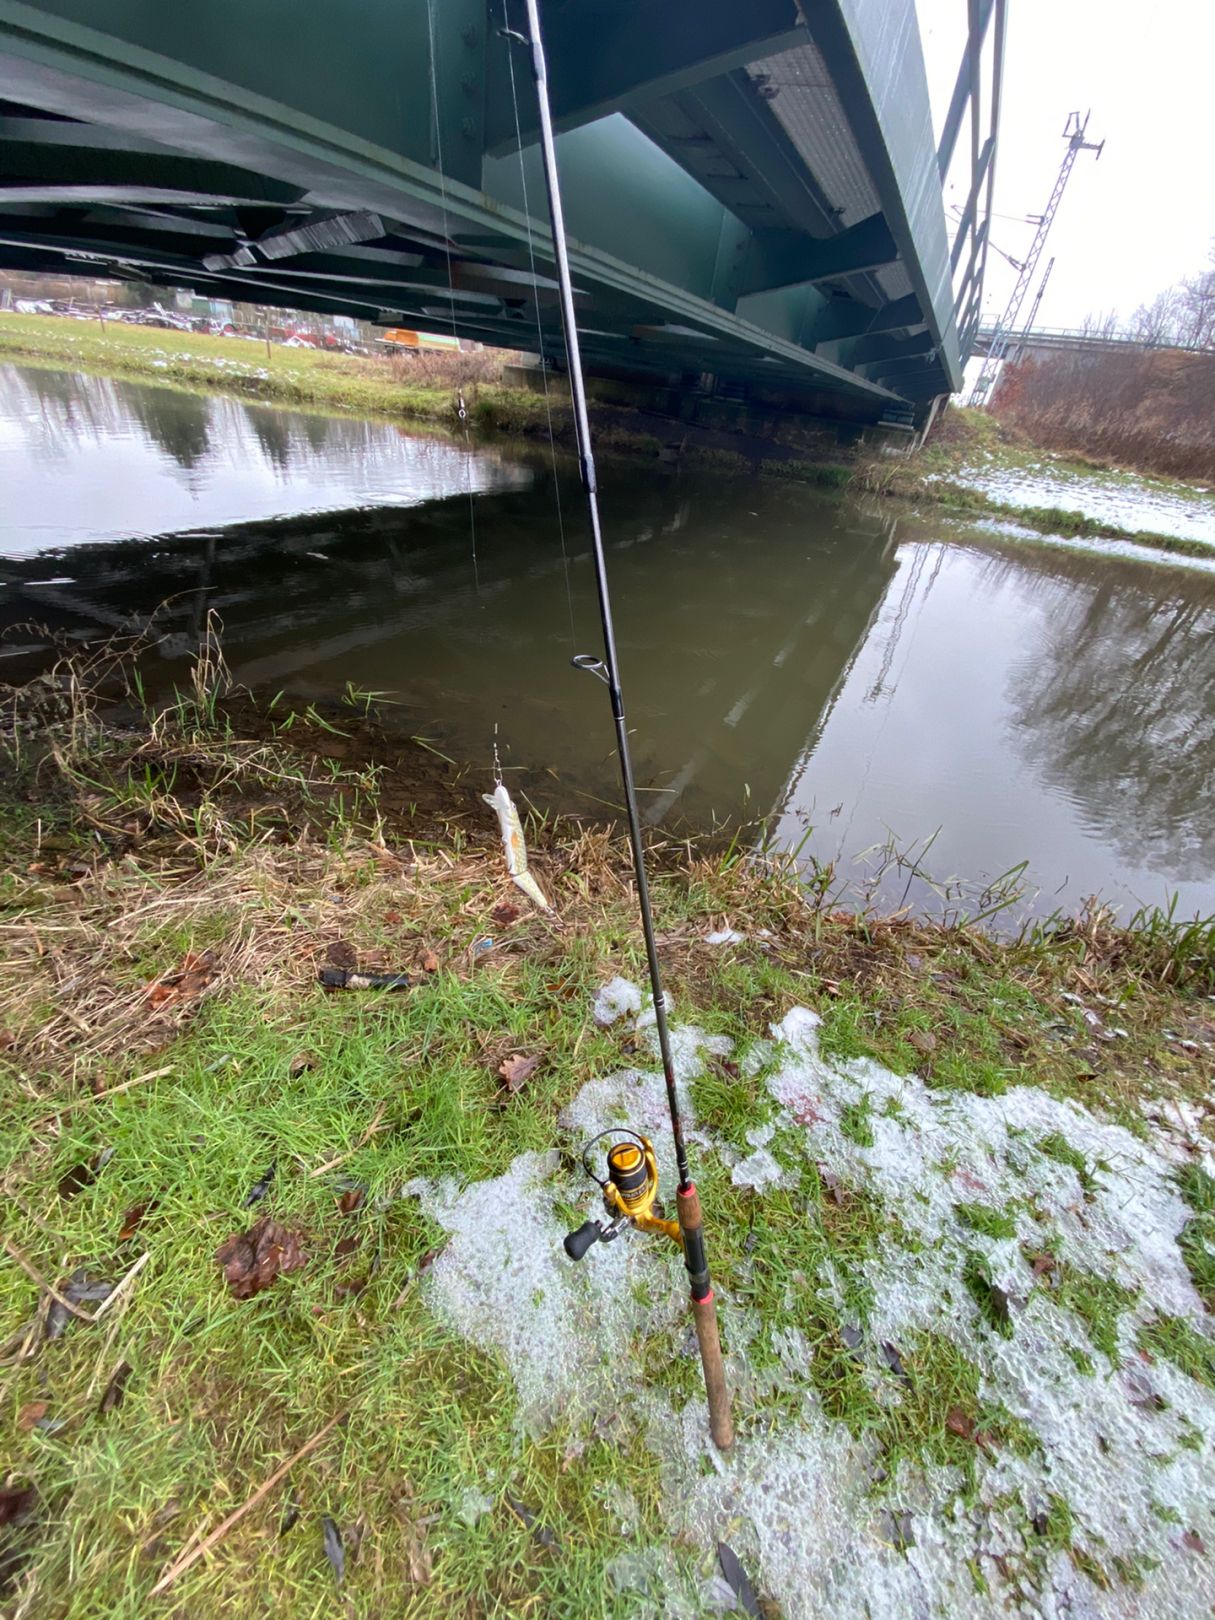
858,679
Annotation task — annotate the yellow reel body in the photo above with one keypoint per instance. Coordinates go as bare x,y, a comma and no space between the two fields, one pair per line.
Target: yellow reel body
629,1193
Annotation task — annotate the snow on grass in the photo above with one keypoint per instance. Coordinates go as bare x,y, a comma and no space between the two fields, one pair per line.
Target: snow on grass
1034,1240
1144,504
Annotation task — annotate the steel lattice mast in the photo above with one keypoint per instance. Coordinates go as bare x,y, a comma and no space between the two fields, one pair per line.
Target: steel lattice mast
1006,328
1018,351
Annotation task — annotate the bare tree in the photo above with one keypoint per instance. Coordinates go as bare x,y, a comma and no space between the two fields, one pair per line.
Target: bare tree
1196,301
1157,325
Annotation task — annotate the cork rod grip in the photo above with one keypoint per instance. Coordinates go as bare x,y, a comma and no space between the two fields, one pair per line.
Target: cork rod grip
704,1312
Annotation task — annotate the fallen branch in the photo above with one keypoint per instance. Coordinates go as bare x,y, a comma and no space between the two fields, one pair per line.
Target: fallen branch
184,1562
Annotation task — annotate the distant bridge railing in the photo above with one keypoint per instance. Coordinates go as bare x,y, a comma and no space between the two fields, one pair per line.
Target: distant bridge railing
1081,339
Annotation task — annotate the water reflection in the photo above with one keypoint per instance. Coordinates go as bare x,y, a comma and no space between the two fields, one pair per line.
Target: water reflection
1023,703
853,672
1112,708
94,458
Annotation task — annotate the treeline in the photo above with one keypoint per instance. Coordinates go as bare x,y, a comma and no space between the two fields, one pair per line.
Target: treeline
1149,407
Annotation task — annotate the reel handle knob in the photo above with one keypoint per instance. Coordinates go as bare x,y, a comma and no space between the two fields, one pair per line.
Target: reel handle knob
577,1243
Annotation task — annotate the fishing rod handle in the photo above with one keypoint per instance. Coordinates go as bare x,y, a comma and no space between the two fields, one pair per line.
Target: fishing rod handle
704,1313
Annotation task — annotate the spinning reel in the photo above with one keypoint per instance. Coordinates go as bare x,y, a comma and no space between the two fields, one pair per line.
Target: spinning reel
630,1193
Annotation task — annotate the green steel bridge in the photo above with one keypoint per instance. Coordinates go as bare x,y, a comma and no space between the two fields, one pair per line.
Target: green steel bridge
753,193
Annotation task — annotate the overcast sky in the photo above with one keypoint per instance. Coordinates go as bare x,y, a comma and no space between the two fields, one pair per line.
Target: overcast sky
1143,215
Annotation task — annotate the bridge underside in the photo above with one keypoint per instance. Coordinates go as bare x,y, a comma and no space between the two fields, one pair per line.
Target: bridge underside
751,188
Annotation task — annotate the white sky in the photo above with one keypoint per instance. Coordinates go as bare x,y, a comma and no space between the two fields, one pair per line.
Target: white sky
1143,215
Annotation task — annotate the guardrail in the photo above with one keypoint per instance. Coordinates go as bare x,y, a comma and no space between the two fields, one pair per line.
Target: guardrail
1081,337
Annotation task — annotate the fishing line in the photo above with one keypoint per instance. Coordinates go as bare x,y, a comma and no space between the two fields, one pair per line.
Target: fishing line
531,259
461,408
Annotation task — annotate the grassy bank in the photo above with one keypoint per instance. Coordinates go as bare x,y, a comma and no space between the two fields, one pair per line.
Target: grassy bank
514,1436
421,388
969,443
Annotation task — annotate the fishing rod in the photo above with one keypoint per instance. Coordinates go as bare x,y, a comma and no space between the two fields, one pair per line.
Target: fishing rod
632,1170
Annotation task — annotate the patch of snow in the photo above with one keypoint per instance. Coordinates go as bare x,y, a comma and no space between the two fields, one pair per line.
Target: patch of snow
806,1505
1129,503
724,936
614,999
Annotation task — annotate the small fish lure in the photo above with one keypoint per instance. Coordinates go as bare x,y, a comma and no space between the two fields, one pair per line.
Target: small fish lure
512,842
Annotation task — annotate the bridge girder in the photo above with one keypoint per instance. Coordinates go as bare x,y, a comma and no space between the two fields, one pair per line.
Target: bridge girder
715,226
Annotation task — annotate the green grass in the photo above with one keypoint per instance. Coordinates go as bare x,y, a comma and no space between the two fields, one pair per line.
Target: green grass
222,1391
1197,1240
1184,1345
992,1223
1099,1302
1058,1148
309,378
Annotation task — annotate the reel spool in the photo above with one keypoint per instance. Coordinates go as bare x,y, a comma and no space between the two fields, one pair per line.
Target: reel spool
630,1192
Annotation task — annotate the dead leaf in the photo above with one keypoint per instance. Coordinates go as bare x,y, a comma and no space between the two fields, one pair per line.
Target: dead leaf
351,1200
517,1070
835,1187
253,1259
133,1218
897,1529
958,1422
1042,1264
1193,1542
290,1518
923,1040
392,917
189,981
895,1362
541,1534
31,1414
116,1388
301,1063
736,1579
416,1550
430,962
418,1554
505,914
16,1502
84,1174
331,1540
341,954
7,1040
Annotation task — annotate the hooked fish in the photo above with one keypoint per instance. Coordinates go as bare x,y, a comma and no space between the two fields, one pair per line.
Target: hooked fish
512,842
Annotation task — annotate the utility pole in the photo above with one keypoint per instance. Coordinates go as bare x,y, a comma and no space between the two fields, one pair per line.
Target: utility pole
1019,352
1002,340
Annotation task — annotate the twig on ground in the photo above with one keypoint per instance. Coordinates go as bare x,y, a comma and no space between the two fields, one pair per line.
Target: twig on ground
332,1164
35,1275
185,1561
99,1096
